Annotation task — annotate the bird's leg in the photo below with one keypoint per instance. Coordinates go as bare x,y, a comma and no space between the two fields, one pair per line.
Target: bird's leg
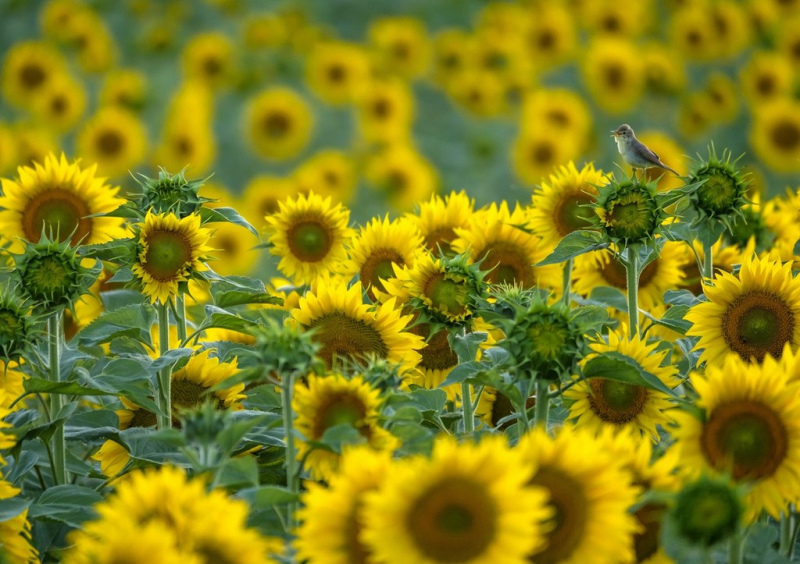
634,169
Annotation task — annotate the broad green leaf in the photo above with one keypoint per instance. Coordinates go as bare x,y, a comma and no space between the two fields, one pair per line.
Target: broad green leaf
575,244
69,504
621,368
242,422
466,345
334,438
227,215
463,372
241,472
266,496
132,321
217,317
238,290
429,400
40,385
673,319
11,507
680,297
606,296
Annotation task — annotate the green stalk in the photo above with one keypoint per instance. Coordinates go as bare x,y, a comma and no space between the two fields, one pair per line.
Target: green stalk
708,263
788,532
567,282
467,408
287,388
180,317
56,400
735,553
164,376
542,407
632,277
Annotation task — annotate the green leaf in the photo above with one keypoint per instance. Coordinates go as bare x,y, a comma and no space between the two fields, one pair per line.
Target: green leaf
462,372
226,215
217,317
68,504
265,497
606,296
243,421
112,251
670,197
19,466
672,319
132,321
466,345
334,438
40,385
621,368
575,244
680,297
429,400
153,446
11,507
238,290
241,472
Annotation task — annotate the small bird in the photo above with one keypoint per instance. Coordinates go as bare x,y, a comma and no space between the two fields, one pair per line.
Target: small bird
634,152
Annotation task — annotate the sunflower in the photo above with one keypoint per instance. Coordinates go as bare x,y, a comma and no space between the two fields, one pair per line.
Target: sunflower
502,17
124,87
479,92
401,44
402,174
234,249
56,16
664,69
695,114
502,55
590,494
62,198
788,40
113,138
691,33
330,400
262,196
188,145
600,403
453,52
171,251
437,219
8,149
335,71
279,123
264,30
347,327
329,173
29,69
731,28
309,234
601,268
560,205
209,58
504,250
608,17
95,46
12,385
768,76
379,246
614,74
385,111
61,104
750,428
557,111
723,97
775,135
550,36
466,503
752,314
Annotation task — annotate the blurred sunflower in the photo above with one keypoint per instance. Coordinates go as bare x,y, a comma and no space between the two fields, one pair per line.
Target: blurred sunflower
453,53
557,111
560,205
329,173
56,16
731,28
191,145
403,175
590,495
309,233
550,37
331,516
501,17
609,17
330,400
614,74
347,328
33,143
664,69
479,92
278,123
437,219
775,135
694,114
466,503
692,33
264,30
220,194
336,70
62,198
233,248
209,59
749,428
262,196
28,70
8,149
766,77
115,139
385,111
599,403
401,44
752,314
61,104
378,246
92,40
535,155
123,87
503,56
723,97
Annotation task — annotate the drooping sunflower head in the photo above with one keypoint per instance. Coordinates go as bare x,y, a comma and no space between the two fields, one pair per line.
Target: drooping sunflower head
309,234
61,200
628,211
191,383
437,220
753,314
171,251
723,194
562,204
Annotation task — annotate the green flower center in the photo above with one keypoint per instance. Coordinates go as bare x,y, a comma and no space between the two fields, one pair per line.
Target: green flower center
168,253
568,499
310,241
455,520
49,278
721,192
548,339
447,296
572,214
707,512
630,217
343,337
616,402
59,212
758,323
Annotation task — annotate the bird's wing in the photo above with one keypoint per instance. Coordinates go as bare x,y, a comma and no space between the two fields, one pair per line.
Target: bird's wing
643,151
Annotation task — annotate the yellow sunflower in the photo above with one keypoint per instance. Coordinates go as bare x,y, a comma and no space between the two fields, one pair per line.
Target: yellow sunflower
234,249
731,27
378,246
115,139
28,70
775,135
330,400
750,428
609,17
190,144
61,104
437,220
691,34
336,70
264,30
480,93
403,175
401,45
614,74
550,36
262,196
752,314
91,38
590,494
59,197
124,87
453,52
56,16
557,111
664,69
171,250
385,111
33,144
347,327
600,403
535,155
279,123
329,173
209,58
560,205
331,516
768,76
8,150
309,234
466,503
600,268
723,97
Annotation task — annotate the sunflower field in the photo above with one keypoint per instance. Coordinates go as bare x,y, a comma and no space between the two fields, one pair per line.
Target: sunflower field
373,282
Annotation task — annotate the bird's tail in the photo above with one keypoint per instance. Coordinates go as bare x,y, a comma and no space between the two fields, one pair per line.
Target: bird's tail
672,170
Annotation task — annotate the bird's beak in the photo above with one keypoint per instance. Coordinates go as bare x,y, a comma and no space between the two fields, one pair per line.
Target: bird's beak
614,133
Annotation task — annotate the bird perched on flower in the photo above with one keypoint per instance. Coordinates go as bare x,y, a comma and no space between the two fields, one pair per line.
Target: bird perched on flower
634,152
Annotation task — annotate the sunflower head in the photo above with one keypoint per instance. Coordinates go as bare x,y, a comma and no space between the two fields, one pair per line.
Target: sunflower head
16,327
723,192
169,193
51,275
706,512
752,227
628,211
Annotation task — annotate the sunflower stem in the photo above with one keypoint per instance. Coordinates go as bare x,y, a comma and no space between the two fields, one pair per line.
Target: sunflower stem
735,553
788,532
56,400
542,407
708,263
164,376
180,317
632,278
287,388
567,282
467,409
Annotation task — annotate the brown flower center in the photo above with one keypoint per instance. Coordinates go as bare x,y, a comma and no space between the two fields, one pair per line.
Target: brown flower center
568,499
310,240
57,211
758,323
786,136
379,265
616,402
341,336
